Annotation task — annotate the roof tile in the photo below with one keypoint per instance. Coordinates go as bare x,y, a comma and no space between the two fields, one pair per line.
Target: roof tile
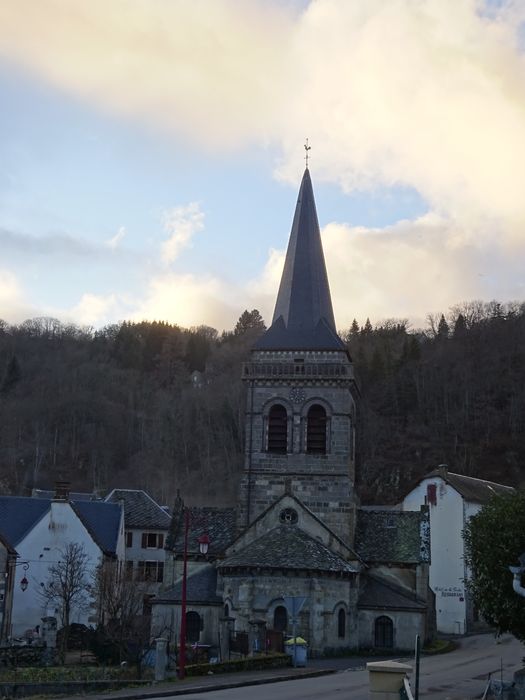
140,510
288,547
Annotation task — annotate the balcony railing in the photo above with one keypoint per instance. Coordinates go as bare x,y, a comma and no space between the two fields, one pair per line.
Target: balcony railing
297,370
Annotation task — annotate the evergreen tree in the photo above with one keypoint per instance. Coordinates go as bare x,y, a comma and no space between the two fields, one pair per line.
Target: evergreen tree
354,328
367,328
443,329
249,320
460,327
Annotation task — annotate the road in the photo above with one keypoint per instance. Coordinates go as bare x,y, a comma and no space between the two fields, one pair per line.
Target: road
459,675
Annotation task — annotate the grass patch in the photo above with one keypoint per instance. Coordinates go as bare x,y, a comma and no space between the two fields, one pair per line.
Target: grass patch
439,646
51,674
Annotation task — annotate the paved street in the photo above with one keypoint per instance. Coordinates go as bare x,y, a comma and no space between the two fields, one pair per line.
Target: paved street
460,675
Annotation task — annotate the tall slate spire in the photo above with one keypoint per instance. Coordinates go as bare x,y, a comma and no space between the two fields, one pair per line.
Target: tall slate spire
303,318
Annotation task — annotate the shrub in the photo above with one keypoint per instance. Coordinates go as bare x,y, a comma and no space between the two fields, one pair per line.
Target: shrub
249,663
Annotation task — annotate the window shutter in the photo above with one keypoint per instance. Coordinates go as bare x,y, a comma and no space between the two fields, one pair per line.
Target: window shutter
144,540
161,541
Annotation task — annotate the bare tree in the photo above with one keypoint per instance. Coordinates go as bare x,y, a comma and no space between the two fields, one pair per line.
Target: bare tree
67,586
123,623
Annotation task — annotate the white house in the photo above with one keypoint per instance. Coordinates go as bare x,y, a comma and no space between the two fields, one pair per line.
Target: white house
452,500
146,526
40,529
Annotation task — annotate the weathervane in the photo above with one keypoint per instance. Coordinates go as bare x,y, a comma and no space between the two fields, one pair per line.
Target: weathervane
307,148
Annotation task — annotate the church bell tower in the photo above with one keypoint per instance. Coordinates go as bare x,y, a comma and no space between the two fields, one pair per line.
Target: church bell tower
300,413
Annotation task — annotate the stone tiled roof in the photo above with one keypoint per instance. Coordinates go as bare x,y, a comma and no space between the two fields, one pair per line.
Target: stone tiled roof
472,489
392,536
201,588
140,510
288,547
380,595
220,524
303,316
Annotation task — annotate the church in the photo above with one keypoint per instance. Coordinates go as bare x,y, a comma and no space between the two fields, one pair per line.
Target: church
361,573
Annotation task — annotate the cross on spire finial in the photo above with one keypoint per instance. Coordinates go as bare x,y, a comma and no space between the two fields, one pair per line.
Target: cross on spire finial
307,148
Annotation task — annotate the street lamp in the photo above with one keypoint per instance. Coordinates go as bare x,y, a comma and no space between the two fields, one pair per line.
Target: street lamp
518,571
24,583
204,543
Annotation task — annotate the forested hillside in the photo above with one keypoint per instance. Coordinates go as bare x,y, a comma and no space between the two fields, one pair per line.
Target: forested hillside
123,407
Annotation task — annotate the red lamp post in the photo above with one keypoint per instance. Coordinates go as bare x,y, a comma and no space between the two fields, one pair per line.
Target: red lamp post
204,543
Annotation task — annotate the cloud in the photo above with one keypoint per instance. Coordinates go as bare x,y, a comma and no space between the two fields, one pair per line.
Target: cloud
412,268
14,306
50,245
205,69
188,300
114,242
425,94
406,270
95,310
428,95
185,300
182,223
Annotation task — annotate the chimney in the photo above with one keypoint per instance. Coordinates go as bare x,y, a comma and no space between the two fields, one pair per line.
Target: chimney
62,489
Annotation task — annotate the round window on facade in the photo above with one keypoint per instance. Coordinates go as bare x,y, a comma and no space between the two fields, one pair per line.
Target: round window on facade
288,516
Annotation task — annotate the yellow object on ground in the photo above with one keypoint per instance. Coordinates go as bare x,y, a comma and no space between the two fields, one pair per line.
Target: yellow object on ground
296,640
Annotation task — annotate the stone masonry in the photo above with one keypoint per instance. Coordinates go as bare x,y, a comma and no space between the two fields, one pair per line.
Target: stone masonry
323,482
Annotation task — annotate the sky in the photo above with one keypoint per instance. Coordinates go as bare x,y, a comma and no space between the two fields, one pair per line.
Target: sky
151,153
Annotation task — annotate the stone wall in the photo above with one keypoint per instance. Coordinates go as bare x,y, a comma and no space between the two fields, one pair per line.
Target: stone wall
323,482
406,625
165,620
258,596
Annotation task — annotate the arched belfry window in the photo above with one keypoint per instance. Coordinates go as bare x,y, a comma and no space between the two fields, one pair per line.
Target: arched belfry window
316,430
280,618
341,623
384,632
277,429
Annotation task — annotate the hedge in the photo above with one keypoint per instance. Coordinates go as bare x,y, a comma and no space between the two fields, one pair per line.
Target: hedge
249,663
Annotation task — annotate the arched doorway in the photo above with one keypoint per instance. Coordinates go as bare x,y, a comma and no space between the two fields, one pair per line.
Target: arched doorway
193,626
280,618
384,632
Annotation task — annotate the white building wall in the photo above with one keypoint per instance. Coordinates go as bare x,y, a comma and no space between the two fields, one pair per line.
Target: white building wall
137,553
41,548
447,568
